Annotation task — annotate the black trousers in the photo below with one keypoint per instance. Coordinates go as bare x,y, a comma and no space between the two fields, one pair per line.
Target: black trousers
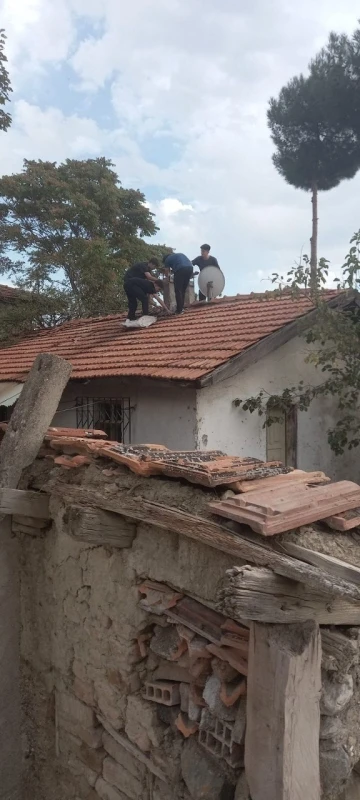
181,282
138,289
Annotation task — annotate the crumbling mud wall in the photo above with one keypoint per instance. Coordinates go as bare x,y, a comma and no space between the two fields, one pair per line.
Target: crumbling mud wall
127,694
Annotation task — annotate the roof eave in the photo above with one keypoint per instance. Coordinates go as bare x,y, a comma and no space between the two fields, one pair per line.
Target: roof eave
268,344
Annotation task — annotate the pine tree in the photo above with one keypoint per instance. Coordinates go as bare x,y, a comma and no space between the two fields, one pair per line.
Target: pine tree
5,85
315,150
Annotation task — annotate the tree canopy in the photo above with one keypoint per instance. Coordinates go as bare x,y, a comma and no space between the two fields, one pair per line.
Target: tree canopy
67,234
5,85
334,341
316,148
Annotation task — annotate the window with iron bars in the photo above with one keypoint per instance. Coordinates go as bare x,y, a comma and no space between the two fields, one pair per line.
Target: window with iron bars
109,414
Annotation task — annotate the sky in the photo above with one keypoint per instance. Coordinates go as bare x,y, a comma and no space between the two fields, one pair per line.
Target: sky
175,93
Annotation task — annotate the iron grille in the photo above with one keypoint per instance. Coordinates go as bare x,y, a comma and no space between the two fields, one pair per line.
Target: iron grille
109,414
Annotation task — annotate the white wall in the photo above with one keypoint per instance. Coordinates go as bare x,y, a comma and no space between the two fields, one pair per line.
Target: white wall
222,426
162,414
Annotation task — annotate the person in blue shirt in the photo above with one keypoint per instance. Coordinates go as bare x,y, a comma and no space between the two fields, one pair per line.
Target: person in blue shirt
182,269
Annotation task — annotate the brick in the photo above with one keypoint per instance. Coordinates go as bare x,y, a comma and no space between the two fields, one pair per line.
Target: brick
224,671
232,656
204,621
211,695
203,776
163,692
91,736
118,776
196,695
238,734
185,725
157,598
184,697
231,692
84,690
69,706
200,669
197,648
219,742
123,757
107,792
171,671
143,641
167,644
185,633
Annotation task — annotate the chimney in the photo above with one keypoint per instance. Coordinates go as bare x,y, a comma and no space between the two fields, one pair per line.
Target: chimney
169,294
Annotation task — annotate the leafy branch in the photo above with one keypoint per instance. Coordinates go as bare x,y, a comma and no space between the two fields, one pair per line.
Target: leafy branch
335,345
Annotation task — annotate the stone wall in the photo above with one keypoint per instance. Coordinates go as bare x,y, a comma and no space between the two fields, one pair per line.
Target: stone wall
91,730
122,699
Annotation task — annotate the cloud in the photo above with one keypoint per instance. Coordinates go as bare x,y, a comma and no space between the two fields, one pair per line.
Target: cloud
199,83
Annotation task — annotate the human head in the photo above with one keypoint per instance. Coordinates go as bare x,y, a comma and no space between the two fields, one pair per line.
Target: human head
154,262
205,250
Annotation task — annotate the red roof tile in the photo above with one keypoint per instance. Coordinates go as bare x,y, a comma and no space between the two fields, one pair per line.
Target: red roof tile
9,293
185,347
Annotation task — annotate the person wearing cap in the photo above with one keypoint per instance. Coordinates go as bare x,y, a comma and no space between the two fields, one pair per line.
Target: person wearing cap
204,260
182,269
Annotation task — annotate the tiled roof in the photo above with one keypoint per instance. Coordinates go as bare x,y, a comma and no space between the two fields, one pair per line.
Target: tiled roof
8,293
185,347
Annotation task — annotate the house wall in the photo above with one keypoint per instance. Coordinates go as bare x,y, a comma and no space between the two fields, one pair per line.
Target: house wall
161,414
221,425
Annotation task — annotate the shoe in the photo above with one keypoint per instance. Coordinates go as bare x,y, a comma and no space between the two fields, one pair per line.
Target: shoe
180,312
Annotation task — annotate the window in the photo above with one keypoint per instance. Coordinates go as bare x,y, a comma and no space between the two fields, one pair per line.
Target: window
109,414
281,444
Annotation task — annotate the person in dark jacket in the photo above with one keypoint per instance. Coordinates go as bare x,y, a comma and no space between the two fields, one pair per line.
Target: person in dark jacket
182,269
204,260
142,269
142,289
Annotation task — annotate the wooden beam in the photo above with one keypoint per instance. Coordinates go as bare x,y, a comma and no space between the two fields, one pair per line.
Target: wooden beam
338,568
254,593
24,503
268,344
340,653
38,401
244,548
100,527
29,422
283,712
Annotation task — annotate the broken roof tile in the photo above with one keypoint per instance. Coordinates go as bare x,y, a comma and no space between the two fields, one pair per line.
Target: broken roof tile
185,347
276,511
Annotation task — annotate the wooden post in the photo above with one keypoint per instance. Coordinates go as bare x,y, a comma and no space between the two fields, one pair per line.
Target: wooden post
283,712
29,422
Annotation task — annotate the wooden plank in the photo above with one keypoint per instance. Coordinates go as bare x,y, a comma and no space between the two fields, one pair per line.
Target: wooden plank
283,712
24,503
340,653
100,527
338,568
212,534
255,593
30,419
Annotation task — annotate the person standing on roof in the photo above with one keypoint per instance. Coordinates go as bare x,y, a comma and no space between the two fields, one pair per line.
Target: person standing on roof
182,269
205,260
140,285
